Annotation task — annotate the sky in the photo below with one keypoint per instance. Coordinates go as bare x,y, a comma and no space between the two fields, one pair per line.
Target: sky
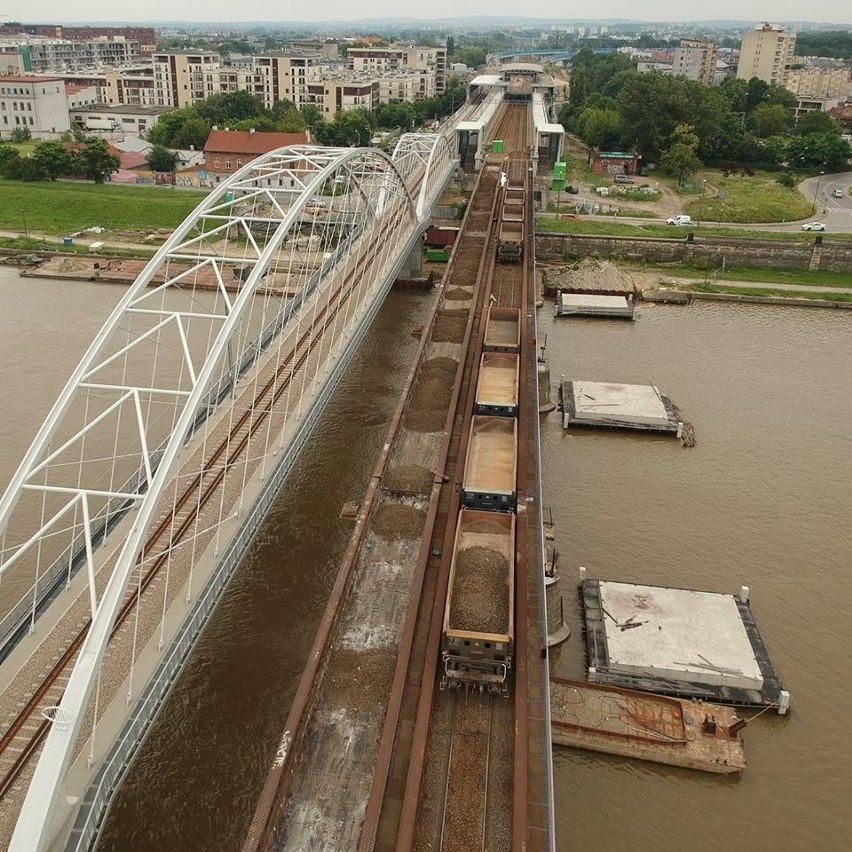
220,11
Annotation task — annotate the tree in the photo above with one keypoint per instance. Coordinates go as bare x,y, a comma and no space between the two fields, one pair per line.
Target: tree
50,159
815,122
312,115
451,46
20,134
192,134
770,120
823,150
161,159
681,158
755,93
601,128
94,161
10,163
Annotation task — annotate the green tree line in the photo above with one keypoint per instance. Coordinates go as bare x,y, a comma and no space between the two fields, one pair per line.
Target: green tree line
52,159
613,107
834,44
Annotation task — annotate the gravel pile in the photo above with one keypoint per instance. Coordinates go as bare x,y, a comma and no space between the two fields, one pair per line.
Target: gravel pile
430,399
449,327
481,591
457,294
358,681
410,478
592,275
394,521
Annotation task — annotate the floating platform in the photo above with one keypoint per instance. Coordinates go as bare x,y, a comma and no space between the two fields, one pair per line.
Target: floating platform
594,305
618,406
607,719
678,642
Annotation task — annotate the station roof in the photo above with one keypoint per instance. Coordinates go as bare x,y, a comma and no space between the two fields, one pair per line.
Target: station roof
522,68
487,80
540,119
480,121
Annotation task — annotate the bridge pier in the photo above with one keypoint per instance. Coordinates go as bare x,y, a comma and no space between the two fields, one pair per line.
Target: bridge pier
412,266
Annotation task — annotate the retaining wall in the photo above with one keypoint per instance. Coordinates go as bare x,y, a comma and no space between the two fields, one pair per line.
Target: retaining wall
807,253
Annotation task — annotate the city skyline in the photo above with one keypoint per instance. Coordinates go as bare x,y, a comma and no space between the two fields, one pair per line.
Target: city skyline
831,12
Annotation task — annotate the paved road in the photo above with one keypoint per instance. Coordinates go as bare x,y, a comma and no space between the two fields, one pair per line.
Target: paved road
835,212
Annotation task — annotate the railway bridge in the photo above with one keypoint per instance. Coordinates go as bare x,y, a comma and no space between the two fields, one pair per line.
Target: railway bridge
157,464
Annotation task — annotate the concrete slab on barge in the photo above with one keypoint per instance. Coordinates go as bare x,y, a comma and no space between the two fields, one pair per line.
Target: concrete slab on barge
594,305
618,405
674,731
677,642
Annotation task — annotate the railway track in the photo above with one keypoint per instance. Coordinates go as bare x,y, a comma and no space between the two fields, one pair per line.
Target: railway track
23,736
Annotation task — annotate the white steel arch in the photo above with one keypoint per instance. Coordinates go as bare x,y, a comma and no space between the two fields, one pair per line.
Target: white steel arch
273,272
429,157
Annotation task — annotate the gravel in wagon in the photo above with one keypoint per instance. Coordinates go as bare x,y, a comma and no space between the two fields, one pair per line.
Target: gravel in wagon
430,400
458,294
481,591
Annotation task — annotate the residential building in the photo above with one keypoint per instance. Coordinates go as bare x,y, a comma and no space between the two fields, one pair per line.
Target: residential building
647,66
383,60
48,56
843,115
81,96
130,87
696,60
817,82
226,151
185,77
766,53
144,35
38,104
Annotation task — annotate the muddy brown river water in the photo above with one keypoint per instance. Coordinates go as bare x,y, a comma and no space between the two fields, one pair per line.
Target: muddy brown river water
764,499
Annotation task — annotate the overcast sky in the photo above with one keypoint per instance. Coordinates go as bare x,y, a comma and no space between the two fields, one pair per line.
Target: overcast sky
221,11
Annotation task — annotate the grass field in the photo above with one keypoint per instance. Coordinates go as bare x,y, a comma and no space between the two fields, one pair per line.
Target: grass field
764,276
622,229
767,291
748,199
65,207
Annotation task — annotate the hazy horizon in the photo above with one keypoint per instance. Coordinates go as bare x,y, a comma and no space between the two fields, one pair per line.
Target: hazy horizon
442,11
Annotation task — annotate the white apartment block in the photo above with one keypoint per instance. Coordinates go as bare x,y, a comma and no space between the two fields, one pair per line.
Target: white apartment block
695,60
38,104
767,54
384,60
820,83
54,55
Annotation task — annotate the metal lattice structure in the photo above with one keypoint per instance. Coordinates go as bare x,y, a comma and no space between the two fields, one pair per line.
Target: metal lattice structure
211,362
430,156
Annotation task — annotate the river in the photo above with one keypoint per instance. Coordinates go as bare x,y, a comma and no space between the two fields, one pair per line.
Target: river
763,500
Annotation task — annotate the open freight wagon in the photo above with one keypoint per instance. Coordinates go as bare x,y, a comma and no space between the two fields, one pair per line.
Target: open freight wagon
477,643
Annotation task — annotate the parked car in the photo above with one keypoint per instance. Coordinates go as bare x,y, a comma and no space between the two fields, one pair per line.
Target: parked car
838,193
624,179
813,226
571,190
682,221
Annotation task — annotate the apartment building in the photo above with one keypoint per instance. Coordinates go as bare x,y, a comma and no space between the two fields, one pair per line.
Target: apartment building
766,53
696,60
389,60
185,77
48,56
38,104
144,35
12,61
822,83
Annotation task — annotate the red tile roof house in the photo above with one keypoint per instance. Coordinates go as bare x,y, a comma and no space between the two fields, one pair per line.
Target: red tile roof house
228,150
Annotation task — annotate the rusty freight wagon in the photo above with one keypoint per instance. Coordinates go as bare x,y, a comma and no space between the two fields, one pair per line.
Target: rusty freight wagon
491,464
477,643
497,388
503,330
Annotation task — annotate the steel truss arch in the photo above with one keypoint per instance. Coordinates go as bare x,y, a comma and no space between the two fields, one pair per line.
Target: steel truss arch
430,157
261,258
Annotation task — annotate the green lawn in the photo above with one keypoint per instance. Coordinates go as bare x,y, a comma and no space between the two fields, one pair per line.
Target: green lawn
748,199
659,229
64,207
767,291
807,277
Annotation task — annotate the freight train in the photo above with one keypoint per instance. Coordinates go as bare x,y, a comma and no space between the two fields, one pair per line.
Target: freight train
478,639
510,241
